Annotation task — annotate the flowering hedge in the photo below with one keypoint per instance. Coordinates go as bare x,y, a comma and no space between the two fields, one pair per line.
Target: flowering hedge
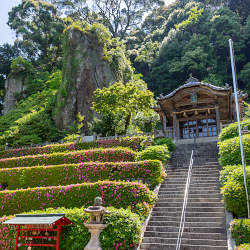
117,194
240,230
24,177
232,130
123,230
100,154
229,151
130,142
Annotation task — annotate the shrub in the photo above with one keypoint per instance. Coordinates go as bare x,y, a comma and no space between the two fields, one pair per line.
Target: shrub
160,153
102,155
229,151
243,247
240,229
124,229
131,142
117,194
231,131
66,174
165,141
233,191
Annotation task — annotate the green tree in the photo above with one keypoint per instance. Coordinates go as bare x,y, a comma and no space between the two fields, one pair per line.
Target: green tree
122,102
39,30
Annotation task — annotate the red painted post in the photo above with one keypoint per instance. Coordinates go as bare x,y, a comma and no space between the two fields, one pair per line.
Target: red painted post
17,236
58,237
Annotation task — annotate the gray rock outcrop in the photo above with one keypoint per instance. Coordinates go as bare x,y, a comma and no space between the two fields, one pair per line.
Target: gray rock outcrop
14,85
84,70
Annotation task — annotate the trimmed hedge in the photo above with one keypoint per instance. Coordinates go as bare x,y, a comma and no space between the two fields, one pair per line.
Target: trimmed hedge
229,151
130,142
165,141
233,189
16,178
240,229
231,131
159,152
123,230
117,194
243,247
100,154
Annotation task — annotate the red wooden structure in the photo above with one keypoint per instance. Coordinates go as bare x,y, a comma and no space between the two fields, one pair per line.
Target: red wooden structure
35,223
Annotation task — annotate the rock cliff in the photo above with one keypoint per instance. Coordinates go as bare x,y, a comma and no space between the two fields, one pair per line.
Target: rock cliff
14,85
85,69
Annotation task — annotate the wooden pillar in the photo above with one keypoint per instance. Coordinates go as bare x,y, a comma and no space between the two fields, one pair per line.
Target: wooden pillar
58,235
217,120
178,129
164,124
17,236
174,126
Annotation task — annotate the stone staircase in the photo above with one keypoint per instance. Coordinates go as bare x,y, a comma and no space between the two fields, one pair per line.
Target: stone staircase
205,224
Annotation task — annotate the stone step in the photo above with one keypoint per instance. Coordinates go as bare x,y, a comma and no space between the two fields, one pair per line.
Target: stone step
188,219
187,224
157,246
212,236
172,200
189,204
190,209
186,229
184,241
191,195
188,214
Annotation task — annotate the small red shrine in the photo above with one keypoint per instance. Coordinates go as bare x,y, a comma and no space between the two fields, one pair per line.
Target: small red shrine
32,228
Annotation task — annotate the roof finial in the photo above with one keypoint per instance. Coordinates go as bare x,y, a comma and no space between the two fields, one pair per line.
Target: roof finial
191,79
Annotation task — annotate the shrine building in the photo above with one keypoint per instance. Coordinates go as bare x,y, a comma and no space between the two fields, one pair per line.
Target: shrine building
197,109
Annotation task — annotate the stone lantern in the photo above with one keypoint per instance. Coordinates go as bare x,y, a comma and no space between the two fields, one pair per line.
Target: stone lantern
95,225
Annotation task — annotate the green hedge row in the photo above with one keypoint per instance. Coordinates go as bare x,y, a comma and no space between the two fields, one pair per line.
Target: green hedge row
232,130
229,151
15,178
240,229
123,230
100,154
130,142
117,194
233,189
158,152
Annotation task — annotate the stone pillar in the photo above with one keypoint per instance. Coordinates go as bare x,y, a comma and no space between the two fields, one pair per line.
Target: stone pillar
217,120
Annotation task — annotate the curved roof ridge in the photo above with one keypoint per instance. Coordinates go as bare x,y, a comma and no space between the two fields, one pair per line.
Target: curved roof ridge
192,84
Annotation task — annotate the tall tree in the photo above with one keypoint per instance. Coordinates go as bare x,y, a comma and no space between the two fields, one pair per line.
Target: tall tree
122,102
39,29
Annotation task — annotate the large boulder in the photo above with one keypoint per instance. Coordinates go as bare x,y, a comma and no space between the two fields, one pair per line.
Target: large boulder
14,85
85,69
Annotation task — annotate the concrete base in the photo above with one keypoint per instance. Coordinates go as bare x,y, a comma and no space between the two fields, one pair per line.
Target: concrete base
197,140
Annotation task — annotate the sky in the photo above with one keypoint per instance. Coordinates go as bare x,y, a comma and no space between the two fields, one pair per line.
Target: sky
6,34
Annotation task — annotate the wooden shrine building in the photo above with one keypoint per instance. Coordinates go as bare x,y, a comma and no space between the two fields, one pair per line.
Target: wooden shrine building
197,109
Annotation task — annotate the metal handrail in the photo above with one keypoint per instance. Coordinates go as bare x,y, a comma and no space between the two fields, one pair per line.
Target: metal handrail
183,215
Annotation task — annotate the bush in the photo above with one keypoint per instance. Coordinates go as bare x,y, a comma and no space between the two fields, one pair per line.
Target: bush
165,141
240,230
102,155
117,194
16,178
160,153
231,131
243,247
124,229
233,191
130,142
229,151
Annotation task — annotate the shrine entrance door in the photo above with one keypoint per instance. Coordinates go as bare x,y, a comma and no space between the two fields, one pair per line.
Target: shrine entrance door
198,128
